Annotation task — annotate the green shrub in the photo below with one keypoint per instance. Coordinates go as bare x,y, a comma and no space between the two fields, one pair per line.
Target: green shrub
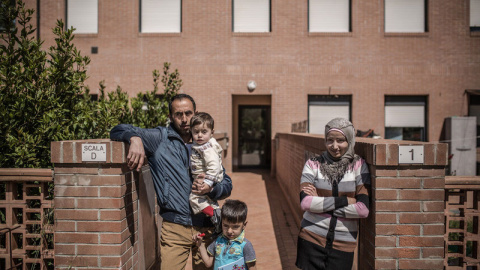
44,98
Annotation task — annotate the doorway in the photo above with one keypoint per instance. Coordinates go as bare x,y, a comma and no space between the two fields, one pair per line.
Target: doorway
251,132
254,136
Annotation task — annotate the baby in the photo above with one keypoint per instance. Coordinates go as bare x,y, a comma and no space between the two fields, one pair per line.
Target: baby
206,158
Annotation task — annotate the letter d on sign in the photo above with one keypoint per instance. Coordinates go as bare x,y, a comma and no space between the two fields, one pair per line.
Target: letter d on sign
94,152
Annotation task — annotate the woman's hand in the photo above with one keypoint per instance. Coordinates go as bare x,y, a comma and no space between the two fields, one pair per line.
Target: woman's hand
310,190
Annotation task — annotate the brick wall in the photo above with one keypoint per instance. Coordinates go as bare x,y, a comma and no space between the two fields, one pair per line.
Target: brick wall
97,210
405,228
289,63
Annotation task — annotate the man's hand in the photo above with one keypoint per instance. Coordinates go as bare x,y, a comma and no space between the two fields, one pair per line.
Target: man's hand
136,154
200,188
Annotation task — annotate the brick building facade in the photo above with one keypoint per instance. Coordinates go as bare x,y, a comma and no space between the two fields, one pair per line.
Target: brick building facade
367,63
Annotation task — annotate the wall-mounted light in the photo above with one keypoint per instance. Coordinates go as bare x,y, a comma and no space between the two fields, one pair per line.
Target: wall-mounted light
251,85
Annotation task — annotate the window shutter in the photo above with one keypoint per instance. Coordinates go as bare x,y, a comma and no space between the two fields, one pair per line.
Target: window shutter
405,16
320,115
251,16
329,15
83,15
405,116
161,16
475,13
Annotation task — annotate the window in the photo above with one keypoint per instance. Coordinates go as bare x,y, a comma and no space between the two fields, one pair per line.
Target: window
323,108
405,16
475,15
3,14
329,16
83,16
251,16
161,16
405,118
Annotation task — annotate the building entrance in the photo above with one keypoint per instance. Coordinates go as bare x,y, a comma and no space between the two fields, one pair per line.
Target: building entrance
254,136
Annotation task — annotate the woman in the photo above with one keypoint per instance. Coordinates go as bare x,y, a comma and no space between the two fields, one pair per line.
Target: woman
334,195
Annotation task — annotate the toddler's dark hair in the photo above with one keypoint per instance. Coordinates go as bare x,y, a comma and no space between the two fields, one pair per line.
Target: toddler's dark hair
202,118
234,211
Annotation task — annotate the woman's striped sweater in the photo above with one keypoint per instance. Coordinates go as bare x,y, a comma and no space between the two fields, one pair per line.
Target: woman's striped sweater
329,221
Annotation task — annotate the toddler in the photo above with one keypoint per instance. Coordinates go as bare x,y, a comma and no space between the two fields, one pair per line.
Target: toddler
231,250
206,158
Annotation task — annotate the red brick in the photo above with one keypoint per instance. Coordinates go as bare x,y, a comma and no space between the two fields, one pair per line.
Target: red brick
385,264
385,241
398,182
65,169
433,206
411,241
102,203
433,253
415,171
394,229
105,226
55,152
380,154
64,249
385,194
64,226
421,264
422,194
68,214
110,261
112,214
419,218
397,206
393,253
116,192
438,229
114,170
67,148
442,154
112,238
98,249
385,218
434,183
119,152
76,261
89,180
69,191
65,203
384,172
83,238
429,154
392,154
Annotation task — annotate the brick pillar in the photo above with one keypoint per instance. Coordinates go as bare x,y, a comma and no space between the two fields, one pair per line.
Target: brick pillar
406,226
96,207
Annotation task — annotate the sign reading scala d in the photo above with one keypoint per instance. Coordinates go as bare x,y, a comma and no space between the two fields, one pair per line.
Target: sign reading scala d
94,152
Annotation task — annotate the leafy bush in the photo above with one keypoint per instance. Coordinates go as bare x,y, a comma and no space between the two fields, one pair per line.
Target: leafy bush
44,98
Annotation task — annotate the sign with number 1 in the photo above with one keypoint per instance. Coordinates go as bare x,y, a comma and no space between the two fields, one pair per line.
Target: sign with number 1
410,154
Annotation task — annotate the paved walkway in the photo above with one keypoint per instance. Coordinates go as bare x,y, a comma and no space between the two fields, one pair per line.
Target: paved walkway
270,228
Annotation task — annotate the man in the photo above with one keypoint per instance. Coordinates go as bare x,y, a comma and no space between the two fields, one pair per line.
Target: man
168,150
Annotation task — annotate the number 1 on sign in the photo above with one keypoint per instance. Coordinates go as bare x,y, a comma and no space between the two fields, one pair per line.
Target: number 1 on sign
412,153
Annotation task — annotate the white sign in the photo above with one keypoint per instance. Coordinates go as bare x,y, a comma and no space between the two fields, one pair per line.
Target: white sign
410,154
94,152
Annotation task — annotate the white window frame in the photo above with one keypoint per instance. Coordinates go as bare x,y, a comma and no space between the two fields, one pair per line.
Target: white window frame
83,16
160,16
251,16
323,108
406,16
329,16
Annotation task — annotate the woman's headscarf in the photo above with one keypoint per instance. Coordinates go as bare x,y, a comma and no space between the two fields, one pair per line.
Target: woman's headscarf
334,168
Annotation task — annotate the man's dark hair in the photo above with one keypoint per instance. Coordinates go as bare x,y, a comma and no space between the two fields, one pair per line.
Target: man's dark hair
179,97
202,118
234,211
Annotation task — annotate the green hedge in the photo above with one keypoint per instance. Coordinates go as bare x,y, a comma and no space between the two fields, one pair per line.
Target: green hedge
43,96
